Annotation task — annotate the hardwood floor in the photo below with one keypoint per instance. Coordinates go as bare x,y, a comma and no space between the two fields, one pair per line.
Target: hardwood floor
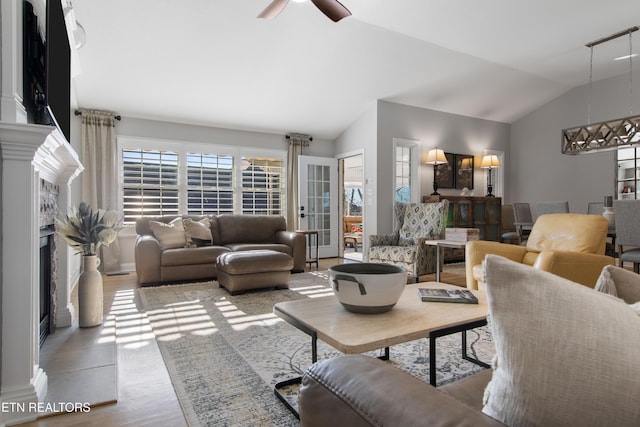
145,396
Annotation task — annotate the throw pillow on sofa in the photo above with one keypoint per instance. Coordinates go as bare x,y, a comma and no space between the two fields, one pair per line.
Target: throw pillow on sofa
198,233
619,282
170,235
565,354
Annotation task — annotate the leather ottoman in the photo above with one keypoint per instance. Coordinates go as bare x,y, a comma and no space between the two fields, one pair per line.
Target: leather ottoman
245,270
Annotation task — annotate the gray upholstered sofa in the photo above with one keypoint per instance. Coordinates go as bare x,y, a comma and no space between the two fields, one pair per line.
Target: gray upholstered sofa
574,365
161,257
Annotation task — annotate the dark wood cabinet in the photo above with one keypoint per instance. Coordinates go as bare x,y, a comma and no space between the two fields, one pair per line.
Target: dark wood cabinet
483,213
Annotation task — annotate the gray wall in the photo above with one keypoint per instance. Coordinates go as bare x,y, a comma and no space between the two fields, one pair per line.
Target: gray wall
451,132
362,135
192,133
539,172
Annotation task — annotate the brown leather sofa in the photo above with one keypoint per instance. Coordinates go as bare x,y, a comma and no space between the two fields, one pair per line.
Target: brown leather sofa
361,391
229,233
537,379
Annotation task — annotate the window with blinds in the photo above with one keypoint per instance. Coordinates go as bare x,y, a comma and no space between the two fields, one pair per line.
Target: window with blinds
150,183
209,184
171,178
262,186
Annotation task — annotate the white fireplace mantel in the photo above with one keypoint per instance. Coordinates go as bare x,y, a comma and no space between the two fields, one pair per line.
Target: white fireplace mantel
29,153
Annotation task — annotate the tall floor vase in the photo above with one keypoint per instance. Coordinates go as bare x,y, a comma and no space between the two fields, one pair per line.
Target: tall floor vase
90,292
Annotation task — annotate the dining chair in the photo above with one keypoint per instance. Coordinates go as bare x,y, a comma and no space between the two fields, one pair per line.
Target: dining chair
522,220
543,208
595,208
628,231
509,231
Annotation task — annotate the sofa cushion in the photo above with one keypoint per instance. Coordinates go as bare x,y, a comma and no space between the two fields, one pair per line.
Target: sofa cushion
565,354
405,254
169,235
192,256
278,247
423,220
248,228
468,390
249,262
198,233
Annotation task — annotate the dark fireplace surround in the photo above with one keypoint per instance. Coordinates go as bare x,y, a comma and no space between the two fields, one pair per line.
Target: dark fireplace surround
48,258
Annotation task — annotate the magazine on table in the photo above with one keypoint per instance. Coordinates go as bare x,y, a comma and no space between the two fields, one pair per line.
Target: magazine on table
463,296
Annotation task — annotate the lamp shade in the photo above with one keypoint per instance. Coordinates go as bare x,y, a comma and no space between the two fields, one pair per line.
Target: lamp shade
466,163
490,161
436,157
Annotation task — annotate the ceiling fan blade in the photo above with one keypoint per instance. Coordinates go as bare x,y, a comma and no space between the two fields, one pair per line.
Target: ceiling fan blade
273,10
332,8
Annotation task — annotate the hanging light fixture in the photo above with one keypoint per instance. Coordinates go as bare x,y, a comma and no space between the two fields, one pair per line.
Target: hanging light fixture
611,134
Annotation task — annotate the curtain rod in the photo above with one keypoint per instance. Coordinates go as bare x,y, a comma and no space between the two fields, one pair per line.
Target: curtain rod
79,113
288,136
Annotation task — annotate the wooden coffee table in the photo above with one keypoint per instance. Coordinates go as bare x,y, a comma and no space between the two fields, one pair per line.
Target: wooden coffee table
351,333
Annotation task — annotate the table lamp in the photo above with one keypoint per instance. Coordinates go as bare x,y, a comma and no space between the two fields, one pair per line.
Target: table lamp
489,162
436,157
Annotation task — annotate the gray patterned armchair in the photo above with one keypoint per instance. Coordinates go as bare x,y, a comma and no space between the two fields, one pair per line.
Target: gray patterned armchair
405,248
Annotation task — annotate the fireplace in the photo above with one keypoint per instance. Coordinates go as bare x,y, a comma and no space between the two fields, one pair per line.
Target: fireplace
30,154
46,290
49,193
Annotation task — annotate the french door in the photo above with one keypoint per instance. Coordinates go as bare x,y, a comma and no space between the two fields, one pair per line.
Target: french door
318,199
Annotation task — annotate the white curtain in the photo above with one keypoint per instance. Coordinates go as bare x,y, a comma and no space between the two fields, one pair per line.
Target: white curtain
297,142
100,176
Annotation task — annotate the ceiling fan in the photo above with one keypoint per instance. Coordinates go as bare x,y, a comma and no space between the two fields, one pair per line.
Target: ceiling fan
332,8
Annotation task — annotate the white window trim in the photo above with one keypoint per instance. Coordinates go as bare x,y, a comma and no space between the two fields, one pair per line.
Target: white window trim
414,145
182,148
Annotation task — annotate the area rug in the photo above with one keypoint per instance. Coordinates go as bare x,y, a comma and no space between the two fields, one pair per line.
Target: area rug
225,353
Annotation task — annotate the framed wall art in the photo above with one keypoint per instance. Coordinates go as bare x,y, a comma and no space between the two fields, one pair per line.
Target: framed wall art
463,171
444,173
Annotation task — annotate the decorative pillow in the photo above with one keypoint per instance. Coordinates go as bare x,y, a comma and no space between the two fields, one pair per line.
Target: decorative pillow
200,242
169,235
606,283
423,220
215,233
565,355
356,228
197,230
619,282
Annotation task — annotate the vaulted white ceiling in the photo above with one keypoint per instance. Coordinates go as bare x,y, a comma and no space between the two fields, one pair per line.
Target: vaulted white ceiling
212,62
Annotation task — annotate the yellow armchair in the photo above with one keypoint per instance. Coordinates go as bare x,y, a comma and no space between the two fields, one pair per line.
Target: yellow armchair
569,245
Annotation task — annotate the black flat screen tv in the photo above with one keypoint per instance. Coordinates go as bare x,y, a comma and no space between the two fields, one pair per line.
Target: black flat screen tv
46,65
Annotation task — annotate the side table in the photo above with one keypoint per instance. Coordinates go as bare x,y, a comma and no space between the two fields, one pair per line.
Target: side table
309,234
439,244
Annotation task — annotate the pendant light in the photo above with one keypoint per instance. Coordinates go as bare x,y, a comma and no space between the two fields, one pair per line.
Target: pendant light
611,134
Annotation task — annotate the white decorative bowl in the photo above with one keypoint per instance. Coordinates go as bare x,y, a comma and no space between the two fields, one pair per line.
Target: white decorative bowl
367,287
